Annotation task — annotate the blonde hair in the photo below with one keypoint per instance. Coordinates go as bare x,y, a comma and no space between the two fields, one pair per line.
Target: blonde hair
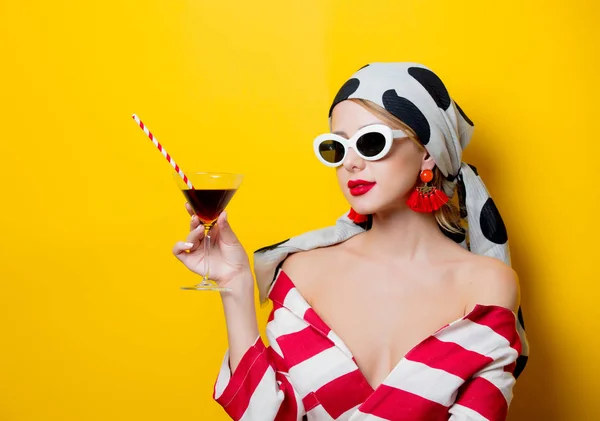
448,216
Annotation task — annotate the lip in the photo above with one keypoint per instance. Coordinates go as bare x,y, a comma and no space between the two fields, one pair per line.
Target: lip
360,187
354,183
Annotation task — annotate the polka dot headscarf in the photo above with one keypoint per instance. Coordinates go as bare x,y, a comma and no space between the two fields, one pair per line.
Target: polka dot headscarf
417,96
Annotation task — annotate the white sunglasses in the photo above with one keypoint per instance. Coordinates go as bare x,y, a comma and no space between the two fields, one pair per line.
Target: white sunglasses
371,143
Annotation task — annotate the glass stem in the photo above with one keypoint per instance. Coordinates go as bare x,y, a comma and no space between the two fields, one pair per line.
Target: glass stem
206,254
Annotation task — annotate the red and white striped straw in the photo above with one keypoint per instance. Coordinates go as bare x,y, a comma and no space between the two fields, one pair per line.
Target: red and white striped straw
163,151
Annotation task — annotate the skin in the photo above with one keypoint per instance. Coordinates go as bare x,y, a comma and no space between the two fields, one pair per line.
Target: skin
386,290
382,291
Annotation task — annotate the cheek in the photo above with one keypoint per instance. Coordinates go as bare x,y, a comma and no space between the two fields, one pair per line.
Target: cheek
400,173
342,180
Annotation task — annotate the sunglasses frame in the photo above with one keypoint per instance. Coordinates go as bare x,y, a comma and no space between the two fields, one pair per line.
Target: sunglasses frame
388,133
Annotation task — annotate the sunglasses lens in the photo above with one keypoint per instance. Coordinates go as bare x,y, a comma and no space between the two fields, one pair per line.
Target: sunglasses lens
370,144
331,151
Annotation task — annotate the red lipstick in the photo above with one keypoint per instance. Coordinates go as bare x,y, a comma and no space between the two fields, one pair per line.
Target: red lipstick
360,187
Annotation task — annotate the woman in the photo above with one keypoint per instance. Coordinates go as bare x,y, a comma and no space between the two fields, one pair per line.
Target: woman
396,312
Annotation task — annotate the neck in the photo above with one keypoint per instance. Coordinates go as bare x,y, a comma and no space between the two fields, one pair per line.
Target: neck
403,234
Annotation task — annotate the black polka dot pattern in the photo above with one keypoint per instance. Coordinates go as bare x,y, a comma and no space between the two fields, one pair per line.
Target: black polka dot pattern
520,365
345,91
416,95
520,315
433,84
408,112
271,247
462,113
492,226
461,190
457,237
473,168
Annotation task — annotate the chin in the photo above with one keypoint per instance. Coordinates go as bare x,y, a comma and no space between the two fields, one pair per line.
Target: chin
370,207
363,208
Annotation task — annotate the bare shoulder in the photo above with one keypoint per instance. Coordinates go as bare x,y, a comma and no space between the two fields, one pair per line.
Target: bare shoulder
304,266
492,282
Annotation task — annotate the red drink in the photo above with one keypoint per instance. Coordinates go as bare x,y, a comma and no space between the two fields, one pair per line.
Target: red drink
208,204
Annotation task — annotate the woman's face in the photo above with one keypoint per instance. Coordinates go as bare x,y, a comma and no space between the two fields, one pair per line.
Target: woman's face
394,175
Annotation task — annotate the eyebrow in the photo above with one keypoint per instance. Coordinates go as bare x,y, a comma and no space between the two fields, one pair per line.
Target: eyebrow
341,132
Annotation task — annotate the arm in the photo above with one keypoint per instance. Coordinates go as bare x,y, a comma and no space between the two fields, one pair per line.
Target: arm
240,318
253,383
486,396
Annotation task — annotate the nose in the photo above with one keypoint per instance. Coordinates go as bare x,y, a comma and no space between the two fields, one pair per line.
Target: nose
352,162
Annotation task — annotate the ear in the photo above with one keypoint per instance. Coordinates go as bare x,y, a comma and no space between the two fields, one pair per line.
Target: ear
428,163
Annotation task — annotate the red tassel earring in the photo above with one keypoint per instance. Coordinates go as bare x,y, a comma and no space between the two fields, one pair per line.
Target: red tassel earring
357,217
426,198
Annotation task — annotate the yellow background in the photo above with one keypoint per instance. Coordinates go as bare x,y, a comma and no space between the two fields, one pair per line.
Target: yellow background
93,324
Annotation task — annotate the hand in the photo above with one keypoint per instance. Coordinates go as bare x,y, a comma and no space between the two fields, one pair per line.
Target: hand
229,261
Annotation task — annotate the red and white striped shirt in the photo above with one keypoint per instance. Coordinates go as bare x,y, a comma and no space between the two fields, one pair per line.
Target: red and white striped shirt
464,371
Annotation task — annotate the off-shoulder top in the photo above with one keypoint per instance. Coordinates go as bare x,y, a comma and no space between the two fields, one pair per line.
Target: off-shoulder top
463,371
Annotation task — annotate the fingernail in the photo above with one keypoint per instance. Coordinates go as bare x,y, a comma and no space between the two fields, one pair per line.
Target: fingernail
189,245
199,227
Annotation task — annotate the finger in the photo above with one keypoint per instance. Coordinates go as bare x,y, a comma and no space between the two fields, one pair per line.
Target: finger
188,207
182,247
196,235
194,222
226,234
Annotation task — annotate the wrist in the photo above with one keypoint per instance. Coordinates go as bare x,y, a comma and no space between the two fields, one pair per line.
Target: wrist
242,288
240,312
